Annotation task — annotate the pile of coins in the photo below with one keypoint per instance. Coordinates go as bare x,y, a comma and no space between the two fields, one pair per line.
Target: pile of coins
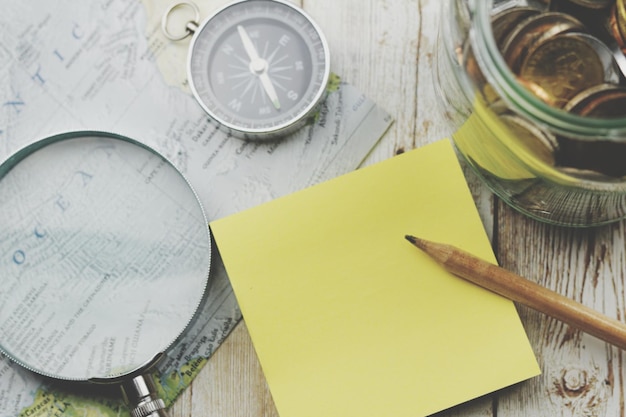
570,54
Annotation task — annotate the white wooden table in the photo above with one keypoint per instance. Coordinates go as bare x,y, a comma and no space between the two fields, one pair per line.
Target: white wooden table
387,48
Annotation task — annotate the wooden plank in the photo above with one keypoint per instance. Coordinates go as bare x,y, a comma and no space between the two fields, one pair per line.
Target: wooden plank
581,375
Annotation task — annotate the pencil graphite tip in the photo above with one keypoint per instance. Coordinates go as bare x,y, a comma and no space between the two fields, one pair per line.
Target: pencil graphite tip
417,242
410,238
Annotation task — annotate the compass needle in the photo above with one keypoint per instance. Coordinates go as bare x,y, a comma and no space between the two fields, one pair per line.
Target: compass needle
259,68
247,44
269,89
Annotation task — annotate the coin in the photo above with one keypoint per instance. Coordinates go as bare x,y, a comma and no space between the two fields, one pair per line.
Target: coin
542,94
533,31
614,39
613,28
563,66
505,20
620,17
603,101
592,4
612,72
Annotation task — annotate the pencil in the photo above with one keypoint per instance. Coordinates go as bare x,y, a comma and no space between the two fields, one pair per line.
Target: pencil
523,291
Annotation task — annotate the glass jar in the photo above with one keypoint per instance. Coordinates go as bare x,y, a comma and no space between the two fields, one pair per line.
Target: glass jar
549,163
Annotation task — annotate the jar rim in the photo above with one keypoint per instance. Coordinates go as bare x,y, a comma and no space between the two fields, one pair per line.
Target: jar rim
525,102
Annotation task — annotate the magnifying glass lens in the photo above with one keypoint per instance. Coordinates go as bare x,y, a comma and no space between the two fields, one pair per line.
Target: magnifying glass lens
104,256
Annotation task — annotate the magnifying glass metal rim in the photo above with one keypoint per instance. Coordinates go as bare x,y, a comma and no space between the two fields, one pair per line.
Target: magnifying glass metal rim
15,158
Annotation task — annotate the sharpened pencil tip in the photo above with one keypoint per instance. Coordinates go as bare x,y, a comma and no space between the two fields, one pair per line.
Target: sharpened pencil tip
417,242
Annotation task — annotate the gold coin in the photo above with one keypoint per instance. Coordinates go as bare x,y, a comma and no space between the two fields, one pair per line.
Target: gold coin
614,39
593,4
542,94
605,101
563,66
607,56
581,99
613,28
532,32
620,17
502,22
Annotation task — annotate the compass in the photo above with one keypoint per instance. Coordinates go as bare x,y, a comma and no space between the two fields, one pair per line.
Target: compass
259,68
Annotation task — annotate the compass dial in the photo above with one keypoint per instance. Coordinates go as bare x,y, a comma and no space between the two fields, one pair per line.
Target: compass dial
259,67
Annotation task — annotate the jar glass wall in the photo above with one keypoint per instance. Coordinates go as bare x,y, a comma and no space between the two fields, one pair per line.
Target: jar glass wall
538,103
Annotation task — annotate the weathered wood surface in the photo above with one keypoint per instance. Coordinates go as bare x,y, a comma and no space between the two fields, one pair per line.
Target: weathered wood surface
387,49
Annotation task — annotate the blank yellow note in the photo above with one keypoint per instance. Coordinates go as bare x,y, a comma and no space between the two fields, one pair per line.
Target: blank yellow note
348,318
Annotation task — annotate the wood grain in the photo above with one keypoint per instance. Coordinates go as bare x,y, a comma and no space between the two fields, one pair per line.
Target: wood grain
231,384
581,375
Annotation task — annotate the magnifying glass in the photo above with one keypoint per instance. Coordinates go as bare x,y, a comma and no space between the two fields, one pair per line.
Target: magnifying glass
105,254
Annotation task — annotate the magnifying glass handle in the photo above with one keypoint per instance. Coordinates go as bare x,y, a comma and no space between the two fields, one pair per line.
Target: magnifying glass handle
143,400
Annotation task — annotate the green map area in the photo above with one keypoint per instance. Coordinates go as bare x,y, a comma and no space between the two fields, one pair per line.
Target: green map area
104,401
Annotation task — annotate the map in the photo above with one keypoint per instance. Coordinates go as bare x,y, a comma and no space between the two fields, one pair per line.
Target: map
104,65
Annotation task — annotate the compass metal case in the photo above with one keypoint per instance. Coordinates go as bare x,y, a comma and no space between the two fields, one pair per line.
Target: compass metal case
259,68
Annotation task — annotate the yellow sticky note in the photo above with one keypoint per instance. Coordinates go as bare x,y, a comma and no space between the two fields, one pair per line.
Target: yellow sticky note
348,318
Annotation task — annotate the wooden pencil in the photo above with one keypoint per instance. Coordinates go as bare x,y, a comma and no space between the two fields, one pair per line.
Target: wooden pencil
523,291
